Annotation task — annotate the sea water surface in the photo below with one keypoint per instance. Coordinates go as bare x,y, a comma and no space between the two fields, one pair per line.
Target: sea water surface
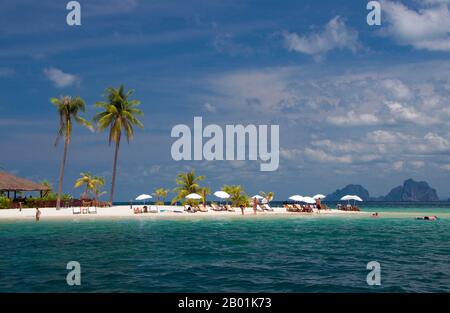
229,254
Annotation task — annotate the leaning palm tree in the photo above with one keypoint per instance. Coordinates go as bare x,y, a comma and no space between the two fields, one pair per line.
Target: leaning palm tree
68,108
119,115
187,183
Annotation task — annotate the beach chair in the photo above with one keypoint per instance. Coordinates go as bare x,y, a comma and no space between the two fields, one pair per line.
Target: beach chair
189,209
203,208
92,210
229,208
215,207
153,209
76,210
267,207
259,208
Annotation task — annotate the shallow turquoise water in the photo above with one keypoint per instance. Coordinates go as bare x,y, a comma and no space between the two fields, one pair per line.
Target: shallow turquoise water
275,254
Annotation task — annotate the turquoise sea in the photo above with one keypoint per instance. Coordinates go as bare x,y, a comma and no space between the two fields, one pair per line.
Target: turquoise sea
231,254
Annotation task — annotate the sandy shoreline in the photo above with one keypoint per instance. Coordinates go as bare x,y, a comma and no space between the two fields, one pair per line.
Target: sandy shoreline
163,211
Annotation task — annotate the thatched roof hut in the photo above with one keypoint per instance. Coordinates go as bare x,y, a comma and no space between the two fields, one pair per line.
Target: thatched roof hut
10,182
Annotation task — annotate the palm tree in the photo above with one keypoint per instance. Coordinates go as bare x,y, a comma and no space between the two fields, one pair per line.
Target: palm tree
204,192
49,185
161,193
119,115
237,195
67,108
93,184
268,196
187,183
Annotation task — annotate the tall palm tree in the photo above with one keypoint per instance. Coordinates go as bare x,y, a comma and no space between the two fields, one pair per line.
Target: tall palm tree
93,183
68,109
119,115
187,183
161,193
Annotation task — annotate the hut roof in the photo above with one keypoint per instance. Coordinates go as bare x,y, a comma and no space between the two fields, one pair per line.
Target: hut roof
10,182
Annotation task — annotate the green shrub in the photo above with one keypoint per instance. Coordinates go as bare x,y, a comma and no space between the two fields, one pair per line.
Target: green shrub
5,203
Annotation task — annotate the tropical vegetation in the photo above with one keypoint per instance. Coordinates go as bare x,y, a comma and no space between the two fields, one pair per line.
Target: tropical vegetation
161,195
237,195
187,183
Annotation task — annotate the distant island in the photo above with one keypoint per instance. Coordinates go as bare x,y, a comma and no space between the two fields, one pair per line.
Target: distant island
411,190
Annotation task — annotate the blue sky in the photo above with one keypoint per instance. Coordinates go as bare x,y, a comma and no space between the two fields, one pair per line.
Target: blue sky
355,103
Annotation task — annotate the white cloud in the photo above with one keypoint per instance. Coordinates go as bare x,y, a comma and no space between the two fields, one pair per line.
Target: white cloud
428,28
209,107
59,78
417,164
410,114
318,155
446,167
354,119
335,35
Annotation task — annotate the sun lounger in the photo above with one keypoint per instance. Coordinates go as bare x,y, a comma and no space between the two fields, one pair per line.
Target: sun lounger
92,210
215,207
153,209
267,207
76,210
203,208
229,208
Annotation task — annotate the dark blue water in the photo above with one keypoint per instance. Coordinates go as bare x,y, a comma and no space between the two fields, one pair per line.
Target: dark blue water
232,254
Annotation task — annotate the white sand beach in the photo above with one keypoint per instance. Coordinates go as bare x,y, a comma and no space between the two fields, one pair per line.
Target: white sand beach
163,211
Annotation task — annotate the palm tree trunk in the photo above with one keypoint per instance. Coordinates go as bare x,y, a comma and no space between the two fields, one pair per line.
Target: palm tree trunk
113,181
61,174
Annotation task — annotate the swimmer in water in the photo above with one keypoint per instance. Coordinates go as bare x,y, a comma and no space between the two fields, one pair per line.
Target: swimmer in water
427,218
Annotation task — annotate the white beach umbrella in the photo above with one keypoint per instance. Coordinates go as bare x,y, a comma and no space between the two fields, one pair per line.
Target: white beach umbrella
319,196
193,196
222,194
296,198
347,197
309,200
357,198
143,197
257,197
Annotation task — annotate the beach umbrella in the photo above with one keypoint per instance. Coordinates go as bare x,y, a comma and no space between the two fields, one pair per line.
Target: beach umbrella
143,197
193,196
296,198
257,197
319,196
309,200
347,197
222,194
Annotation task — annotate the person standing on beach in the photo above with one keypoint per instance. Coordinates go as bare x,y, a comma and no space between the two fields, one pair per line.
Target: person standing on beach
38,214
242,209
255,205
